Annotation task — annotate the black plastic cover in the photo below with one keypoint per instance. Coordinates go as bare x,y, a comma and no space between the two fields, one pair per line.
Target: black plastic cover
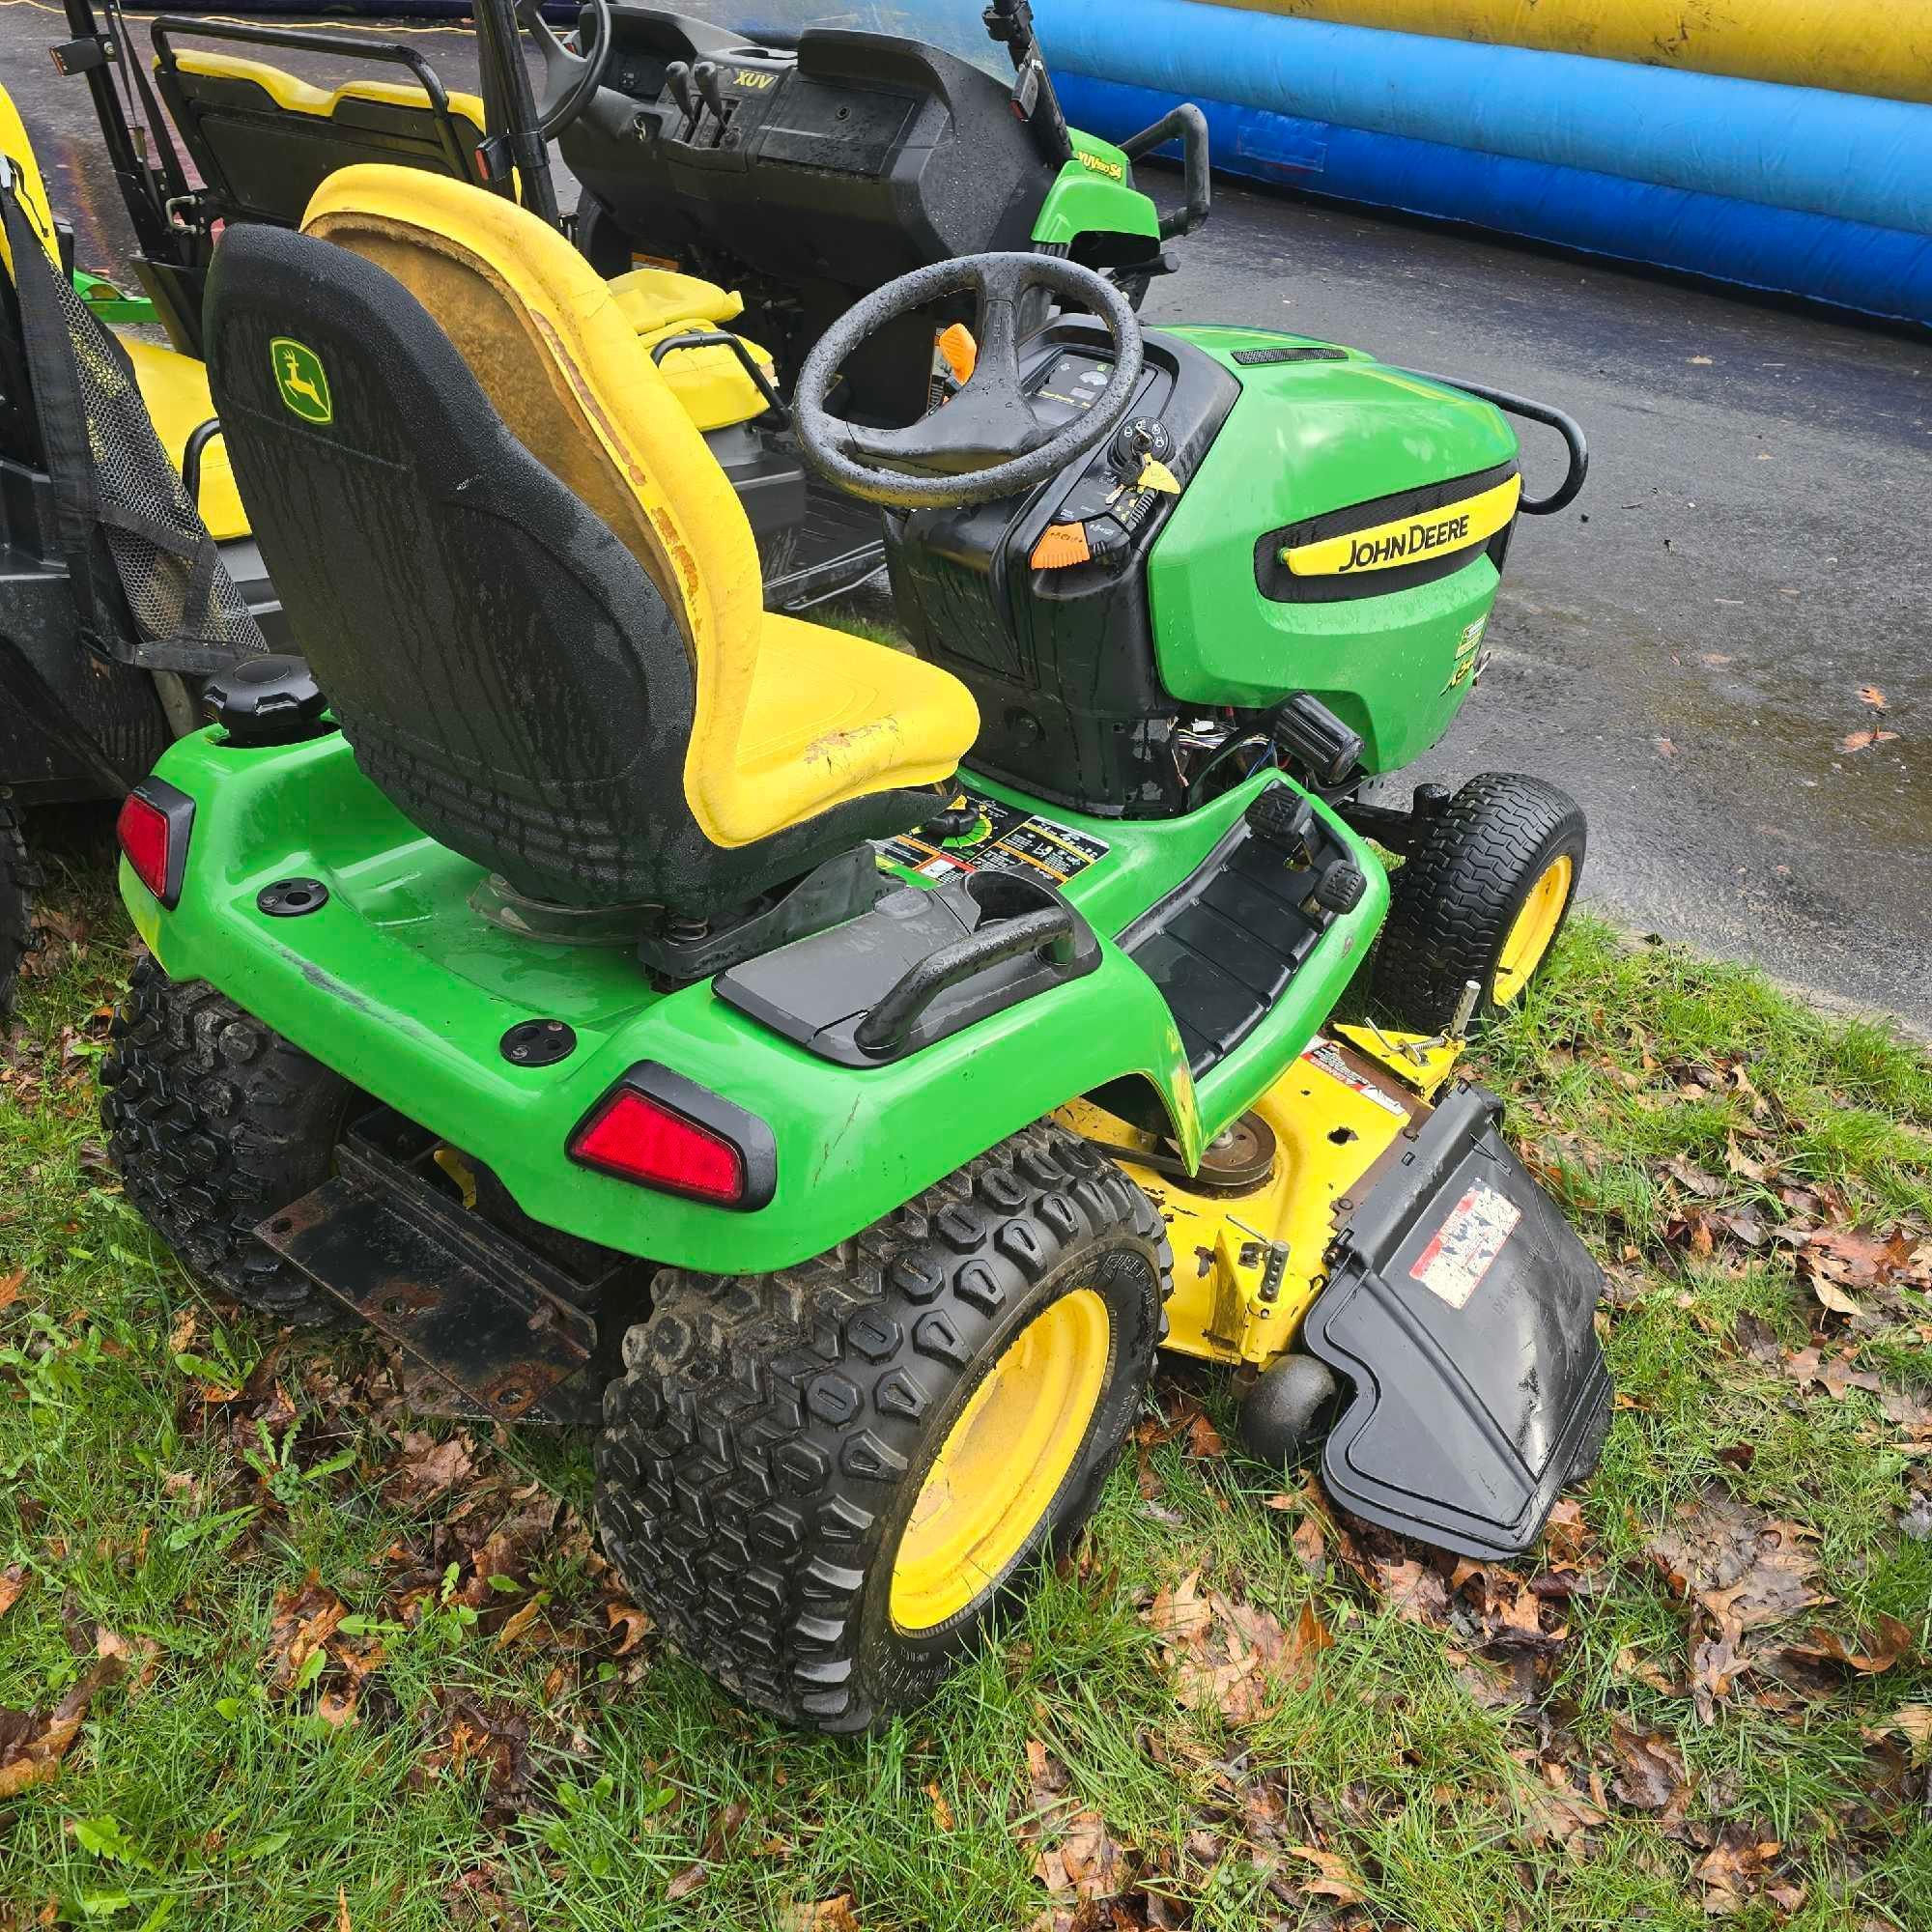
819,991
1461,1306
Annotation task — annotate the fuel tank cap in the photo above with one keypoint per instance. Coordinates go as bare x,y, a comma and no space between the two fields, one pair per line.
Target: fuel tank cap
266,700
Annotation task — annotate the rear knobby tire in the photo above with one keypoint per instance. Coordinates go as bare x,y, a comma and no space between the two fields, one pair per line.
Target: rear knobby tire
214,1121
763,1451
18,878
1456,899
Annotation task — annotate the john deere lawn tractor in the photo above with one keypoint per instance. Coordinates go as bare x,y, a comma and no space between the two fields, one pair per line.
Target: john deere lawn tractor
737,195
832,1071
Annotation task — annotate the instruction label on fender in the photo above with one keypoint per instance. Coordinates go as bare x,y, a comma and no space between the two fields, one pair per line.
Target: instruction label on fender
1004,840
1465,1246
1327,1055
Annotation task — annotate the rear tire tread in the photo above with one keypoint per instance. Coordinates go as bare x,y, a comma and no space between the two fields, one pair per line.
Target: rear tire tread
760,1415
214,1121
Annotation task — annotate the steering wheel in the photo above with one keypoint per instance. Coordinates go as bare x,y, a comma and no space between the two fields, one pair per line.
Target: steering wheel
987,440
570,80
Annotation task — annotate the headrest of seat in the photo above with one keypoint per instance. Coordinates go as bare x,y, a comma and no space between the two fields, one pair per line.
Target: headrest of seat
541,332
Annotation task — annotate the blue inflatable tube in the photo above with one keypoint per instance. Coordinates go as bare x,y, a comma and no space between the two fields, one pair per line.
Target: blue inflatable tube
1838,154
1880,270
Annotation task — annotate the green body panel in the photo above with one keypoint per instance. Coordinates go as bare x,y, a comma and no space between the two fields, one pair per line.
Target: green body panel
398,984
110,303
1304,440
1095,194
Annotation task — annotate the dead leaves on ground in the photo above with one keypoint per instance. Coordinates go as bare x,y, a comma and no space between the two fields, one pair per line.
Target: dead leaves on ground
1232,1657
32,1742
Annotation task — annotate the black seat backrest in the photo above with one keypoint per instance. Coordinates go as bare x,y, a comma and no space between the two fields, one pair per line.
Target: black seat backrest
264,140
504,670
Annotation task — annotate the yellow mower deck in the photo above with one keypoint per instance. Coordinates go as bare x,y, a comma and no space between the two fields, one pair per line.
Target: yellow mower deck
1333,1115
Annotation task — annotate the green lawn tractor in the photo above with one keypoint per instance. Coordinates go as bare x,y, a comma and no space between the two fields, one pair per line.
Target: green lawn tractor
832,1071
736,197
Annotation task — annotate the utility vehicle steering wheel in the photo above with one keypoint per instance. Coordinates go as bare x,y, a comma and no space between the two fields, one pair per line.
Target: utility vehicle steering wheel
570,80
988,441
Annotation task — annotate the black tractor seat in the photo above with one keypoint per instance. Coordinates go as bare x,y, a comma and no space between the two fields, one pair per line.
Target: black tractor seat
531,598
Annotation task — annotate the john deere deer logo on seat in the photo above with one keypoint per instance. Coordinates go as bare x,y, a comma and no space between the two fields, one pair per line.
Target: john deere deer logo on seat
299,377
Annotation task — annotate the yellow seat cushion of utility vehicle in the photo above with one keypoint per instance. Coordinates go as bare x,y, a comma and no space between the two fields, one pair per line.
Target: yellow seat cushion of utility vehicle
830,718
295,95
710,383
175,388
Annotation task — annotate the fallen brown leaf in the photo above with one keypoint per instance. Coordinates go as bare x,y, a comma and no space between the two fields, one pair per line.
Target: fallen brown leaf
1864,741
829,1915
32,1747
1870,693
10,1285
1736,1561
635,1625
427,1466
942,1811
13,1583
1650,1772
342,1923
1336,1880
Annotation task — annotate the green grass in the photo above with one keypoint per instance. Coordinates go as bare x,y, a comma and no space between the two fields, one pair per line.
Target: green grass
564,1778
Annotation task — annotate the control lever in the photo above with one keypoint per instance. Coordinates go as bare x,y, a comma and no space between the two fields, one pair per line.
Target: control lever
677,77
705,74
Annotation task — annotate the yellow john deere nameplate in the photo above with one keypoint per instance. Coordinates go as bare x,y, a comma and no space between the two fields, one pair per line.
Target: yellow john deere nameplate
1409,539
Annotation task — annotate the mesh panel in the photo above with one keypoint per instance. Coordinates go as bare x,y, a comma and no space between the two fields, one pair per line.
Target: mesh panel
174,580
148,579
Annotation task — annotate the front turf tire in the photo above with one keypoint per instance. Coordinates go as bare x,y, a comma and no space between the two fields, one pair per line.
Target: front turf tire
764,1450
1483,897
18,877
214,1121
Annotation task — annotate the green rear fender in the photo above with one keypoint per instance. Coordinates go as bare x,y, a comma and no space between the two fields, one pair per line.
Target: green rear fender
398,984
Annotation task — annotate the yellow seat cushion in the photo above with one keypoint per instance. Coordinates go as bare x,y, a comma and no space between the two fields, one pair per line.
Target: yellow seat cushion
788,719
653,299
710,383
175,388
850,714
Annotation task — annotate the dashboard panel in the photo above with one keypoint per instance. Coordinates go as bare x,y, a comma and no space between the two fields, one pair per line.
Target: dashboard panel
821,172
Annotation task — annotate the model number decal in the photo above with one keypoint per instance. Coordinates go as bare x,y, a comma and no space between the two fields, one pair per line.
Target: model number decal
749,76
1099,165
1465,1247
1412,539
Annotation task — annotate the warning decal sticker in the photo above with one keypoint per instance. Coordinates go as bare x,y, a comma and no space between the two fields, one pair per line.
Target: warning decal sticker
1004,839
1327,1055
1465,1247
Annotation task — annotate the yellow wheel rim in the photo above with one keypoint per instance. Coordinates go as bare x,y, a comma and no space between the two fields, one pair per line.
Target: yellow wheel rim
1534,928
1002,1462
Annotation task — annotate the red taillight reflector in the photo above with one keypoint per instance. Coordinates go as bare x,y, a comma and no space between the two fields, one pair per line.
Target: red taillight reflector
636,1139
152,830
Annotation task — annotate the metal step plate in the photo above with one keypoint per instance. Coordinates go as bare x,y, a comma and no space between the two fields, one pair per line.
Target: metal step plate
474,1306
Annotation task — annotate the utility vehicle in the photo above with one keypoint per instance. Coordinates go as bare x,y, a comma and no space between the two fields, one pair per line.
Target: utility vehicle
835,1071
736,194
114,599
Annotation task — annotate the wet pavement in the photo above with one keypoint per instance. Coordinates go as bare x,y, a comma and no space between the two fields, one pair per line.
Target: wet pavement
1685,649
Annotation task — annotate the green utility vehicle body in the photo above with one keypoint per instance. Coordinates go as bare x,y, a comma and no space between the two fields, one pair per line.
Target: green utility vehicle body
1093,207
400,986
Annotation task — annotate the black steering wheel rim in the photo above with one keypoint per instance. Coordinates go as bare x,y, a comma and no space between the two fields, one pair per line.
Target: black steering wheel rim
570,80
838,449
